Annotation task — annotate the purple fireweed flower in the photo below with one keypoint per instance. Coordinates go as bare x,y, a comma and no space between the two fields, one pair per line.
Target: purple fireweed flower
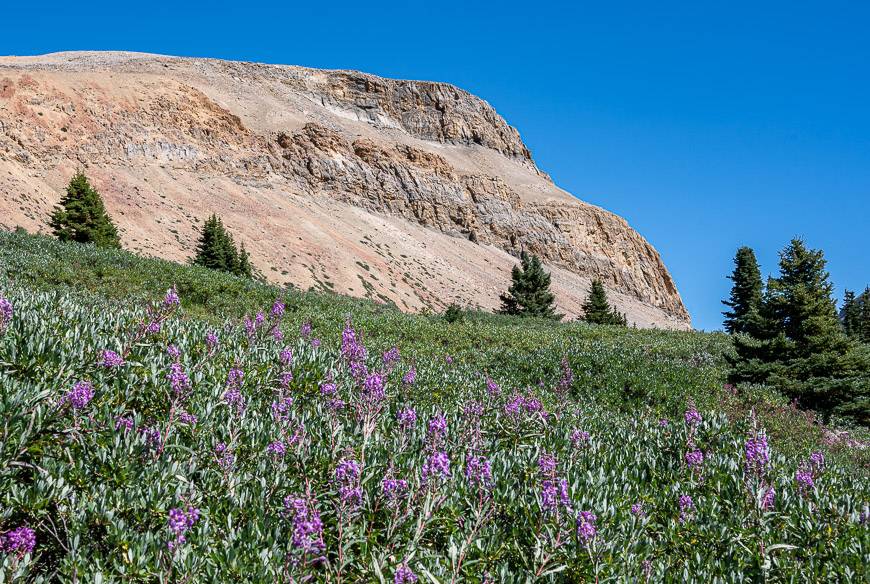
757,453
307,528
225,458
250,326
79,396
410,377
391,357
637,510
492,388
407,418
277,334
211,340
178,379
173,351
171,298
125,423
315,343
547,465
554,492
286,379
533,405
817,461
449,360
277,449
478,471
180,521
805,480
153,327
514,405
233,395
694,458
278,309
473,410
373,387
692,417
327,387
151,435
259,318
235,378
347,475
687,506
281,408
586,529
579,437
19,541
6,313
336,404
188,418
394,489
404,575
437,465
567,379
347,471
305,330
351,349
110,359
286,357
437,427
663,423
768,498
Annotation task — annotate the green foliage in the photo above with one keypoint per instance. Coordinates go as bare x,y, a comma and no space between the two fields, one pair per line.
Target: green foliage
797,343
596,309
216,250
529,293
855,315
745,299
81,216
453,313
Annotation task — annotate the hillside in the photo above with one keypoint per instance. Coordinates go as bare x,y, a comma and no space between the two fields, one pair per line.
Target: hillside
148,437
410,192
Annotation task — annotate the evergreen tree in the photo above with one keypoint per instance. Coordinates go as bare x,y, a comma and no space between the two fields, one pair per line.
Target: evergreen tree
529,293
864,321
797,343
745,299
81,216
216,250
597,310
850,314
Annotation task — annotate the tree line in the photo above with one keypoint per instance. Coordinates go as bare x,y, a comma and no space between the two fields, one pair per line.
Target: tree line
788,333
81,216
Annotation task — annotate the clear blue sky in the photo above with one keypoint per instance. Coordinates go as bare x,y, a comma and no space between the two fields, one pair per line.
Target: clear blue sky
706,127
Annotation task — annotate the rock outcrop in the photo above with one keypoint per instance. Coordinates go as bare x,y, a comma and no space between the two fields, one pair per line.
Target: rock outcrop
411,192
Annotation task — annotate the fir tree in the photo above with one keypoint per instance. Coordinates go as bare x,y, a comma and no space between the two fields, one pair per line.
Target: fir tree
797,343
81,216
529,293
850,314
216,250
745,299
864,321
597,310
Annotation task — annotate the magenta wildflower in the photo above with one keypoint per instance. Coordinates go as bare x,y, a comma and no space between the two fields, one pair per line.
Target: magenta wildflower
473,410
694,458
277,449
437,427
173,351
579,437
211,340
79,396
492,388
407,418
151,435
188,418
757,453
373,387
817,461
286,357
768,498
278,309
687,507
391,357
305,330
663,423
123,422
637,510
327,387
547,465
567,379
437,465
178,379
554,492
111,359
404,575
586,529
394,489
180,521
307,528
153,327
347,476
225,458
277,334
693,418
478,471
281,408
171,298
805,480
19,541
410,376
6,313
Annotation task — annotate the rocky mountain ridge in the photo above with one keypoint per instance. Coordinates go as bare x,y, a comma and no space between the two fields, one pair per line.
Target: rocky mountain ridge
417,193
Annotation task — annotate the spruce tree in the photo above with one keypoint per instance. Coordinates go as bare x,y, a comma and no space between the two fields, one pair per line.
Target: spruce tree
81,216
597,309
216,250
745,299
864,321
529,293
850,315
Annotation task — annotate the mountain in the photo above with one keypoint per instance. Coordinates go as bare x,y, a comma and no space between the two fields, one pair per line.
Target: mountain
411,192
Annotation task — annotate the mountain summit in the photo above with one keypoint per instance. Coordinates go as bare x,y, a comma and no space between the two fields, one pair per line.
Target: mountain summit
413,192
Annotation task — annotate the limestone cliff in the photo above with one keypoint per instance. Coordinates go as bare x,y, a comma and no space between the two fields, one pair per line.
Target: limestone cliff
413,192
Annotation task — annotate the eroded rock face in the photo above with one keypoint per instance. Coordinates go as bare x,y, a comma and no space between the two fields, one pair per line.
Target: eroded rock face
172,140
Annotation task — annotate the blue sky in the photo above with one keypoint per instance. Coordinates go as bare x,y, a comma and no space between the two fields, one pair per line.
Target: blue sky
707,127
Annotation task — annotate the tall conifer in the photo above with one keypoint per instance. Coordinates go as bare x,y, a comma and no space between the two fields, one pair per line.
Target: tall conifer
529,293
745,299
81,216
